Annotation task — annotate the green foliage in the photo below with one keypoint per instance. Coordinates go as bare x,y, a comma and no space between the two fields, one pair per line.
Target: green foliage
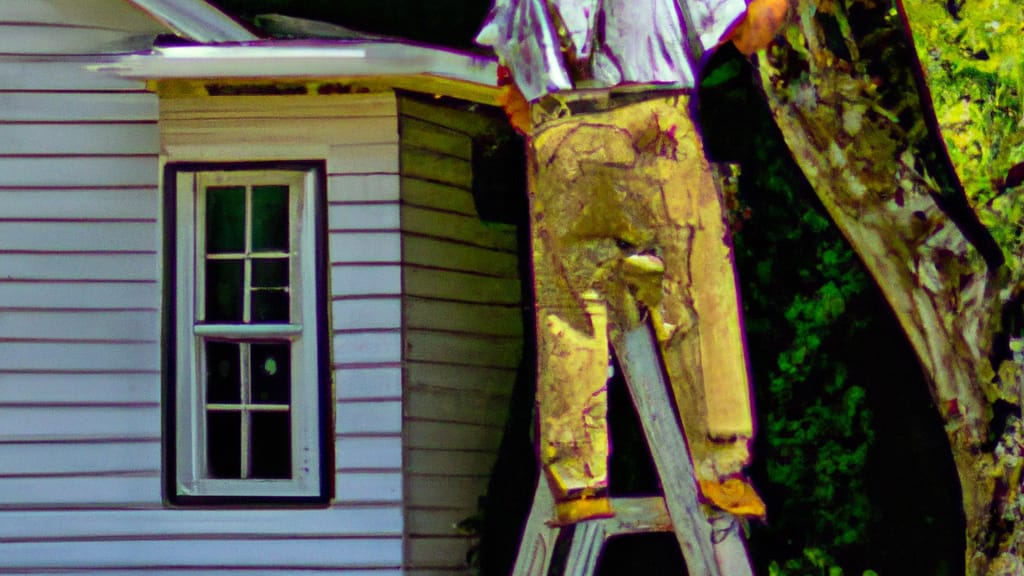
973,57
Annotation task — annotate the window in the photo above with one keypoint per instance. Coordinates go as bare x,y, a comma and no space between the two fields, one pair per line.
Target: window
248,390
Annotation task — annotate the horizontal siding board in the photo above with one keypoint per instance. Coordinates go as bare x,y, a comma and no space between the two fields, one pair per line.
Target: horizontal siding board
115,422
372,487
378,417
461,377
427,194
453,118
100,524
227,570
447,405
70,266
438,253
439,552
79,458
367,347
363,159
463,348
84,356
78,236
483,319
78,171
363,217
466,229
98,13
111,294
284,131
296,553
77,106
429,165
47,40
249,152
437,521
458,462
80,204
275,107
61,76
379,279
363,188
367,313
83,389
424,135
460,287
365,452
129,325
449,436
368,383
80,491
142,138
351,247
444,490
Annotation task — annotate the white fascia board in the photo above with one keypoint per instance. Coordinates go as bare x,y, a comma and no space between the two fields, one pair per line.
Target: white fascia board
277,59
196,20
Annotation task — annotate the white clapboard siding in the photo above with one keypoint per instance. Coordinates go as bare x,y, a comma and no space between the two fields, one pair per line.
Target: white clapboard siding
58,172
65,458
201,554
367,313
109,14
71,357
59,75
358,247
70,422
133,138
374,417
142,325
36,266
352,216
368,452
46,39
82,204
71,492
80,389
77,107
285,131
114,288
462,334
64,236
363,188
354,281
276,107
357,487
361,348
369,383
363,159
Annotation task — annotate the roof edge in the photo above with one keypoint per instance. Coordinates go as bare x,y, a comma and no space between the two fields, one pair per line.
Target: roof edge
196,20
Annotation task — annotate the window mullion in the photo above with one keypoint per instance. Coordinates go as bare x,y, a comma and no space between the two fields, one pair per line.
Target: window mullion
247,280
246,399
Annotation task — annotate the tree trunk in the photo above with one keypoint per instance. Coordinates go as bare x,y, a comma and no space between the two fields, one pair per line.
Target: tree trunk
845,89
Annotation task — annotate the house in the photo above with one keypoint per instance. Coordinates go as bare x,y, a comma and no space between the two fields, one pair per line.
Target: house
250,317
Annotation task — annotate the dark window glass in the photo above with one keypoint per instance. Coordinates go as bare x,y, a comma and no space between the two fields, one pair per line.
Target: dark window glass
224,290
223,382
224,444
271,445
270,305
225,219
269,218
271,373
270,272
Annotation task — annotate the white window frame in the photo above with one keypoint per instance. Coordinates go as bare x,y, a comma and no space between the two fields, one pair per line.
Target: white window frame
191,478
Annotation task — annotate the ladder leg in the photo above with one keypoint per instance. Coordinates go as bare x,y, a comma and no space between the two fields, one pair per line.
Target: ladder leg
587,542
538,540
640,358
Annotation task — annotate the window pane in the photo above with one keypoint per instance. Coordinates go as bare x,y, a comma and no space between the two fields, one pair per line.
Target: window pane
224,290
269,305
271,445
225,219
271,373
224,444
270,272
223,382
269,218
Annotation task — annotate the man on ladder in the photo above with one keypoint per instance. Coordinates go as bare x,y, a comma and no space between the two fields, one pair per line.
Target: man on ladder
628,233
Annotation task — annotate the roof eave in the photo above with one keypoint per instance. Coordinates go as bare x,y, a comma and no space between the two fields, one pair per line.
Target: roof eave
461,73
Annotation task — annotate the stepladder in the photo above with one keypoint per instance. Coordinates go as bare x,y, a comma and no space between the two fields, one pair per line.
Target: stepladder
711,540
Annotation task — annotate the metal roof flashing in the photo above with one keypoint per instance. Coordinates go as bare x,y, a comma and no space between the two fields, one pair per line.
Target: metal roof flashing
398,64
